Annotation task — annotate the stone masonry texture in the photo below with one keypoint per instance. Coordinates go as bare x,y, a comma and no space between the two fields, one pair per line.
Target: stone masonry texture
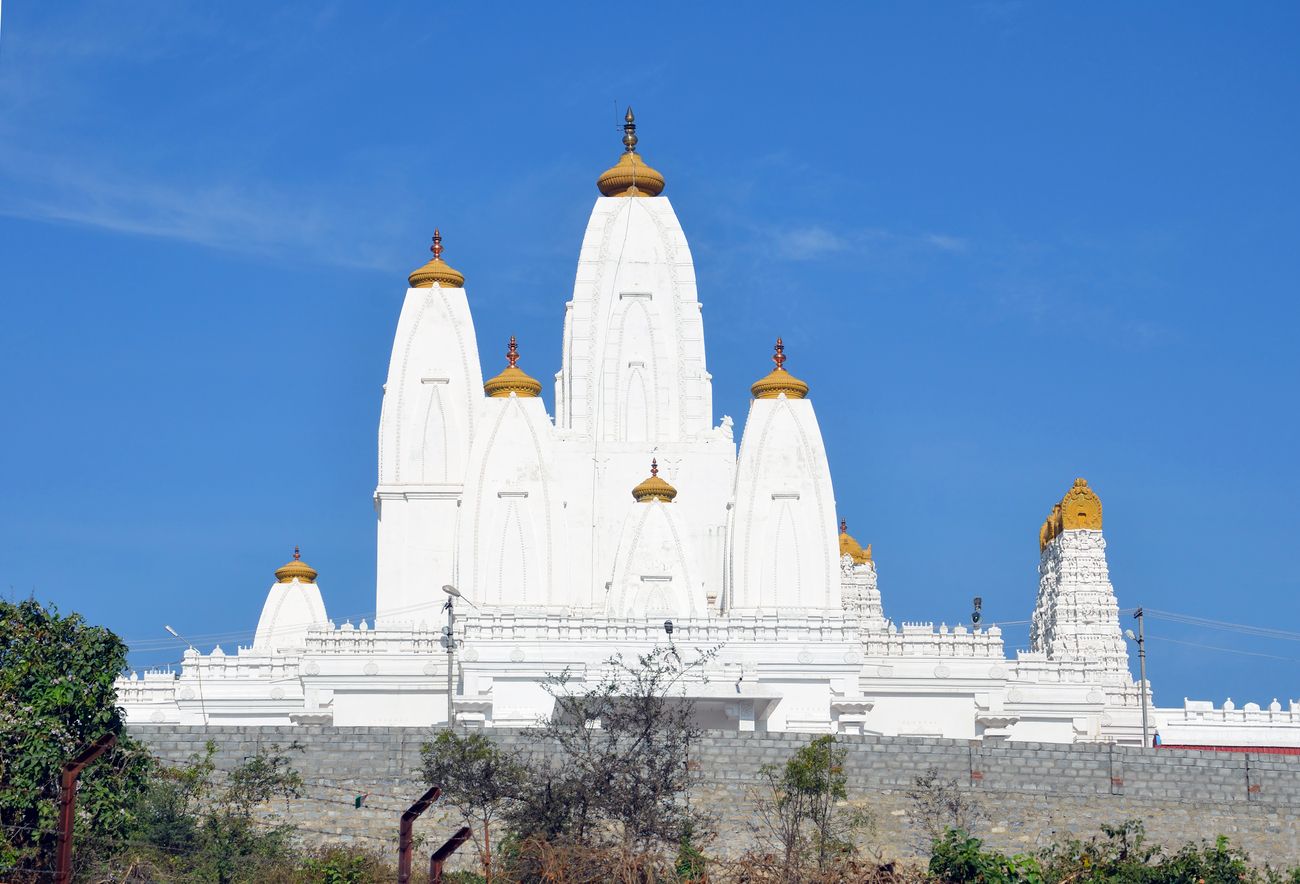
1029,794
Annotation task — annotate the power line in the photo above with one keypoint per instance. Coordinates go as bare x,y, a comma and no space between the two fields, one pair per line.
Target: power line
1258,631
1224,650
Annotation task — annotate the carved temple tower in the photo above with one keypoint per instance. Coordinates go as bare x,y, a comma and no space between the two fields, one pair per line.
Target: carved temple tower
1076,616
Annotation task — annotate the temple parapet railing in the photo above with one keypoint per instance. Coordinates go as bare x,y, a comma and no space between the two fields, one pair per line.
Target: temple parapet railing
507,626
924,640
1205,712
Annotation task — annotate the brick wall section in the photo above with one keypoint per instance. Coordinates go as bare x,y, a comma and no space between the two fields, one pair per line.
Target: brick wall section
1030,793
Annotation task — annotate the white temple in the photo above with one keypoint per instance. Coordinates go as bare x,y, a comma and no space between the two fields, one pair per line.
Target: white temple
573,538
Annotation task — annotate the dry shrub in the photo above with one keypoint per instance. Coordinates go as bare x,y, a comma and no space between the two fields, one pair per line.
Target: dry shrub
771,868
558,862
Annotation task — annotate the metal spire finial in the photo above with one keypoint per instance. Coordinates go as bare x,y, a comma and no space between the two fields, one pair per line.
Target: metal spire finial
844,526
512,354
297,554
654,467
436,248
629,131
779,356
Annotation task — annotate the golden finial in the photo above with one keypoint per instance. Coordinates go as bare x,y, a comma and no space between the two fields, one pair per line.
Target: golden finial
654,488
512,379
295,569
437,271
629,131
1079,509
630,176
850,547
779,380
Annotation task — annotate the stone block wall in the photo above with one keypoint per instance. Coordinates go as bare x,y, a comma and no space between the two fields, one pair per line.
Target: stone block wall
1029,793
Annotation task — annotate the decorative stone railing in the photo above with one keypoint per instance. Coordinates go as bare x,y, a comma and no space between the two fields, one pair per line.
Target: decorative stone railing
923,640
1203,711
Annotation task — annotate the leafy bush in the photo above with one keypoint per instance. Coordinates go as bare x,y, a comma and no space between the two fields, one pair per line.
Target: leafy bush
957,857
56,698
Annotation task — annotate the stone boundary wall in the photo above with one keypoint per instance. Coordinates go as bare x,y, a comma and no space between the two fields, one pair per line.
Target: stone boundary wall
1029,793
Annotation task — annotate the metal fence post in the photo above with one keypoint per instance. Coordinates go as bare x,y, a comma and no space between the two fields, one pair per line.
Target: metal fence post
68,800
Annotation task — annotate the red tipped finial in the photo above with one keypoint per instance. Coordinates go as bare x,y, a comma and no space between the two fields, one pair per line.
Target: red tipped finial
779,356
844,527
296,554
512,354
436,248
654,467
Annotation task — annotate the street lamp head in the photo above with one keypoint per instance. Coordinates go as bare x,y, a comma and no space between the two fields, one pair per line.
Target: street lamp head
451,590
173,632
1128,634
668,627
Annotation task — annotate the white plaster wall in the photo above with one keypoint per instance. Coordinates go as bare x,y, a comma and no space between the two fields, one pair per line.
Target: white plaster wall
426,426
513,548
633,367
290,610
652,575
784,548
430,399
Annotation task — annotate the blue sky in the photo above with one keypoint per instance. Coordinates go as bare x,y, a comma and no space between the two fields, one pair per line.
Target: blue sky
1007,244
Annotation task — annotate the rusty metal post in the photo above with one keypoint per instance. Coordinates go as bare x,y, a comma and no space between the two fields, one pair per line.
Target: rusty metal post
404,846
68,800
439,858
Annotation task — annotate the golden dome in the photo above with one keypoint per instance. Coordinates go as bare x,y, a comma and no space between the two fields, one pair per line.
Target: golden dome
437,270
779,380
654,488
630,176
1079,509
851,548
296,570
512,379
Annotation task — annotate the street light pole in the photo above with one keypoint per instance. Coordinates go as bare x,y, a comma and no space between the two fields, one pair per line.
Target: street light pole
198,671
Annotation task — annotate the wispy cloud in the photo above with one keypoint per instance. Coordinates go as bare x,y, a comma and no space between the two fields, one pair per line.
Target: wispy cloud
212,214
810,243
818,242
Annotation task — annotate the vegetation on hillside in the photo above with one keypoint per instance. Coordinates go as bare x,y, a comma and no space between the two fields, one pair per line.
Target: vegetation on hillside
600,793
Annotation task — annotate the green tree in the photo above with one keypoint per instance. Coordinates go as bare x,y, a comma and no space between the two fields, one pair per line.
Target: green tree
801,806
477,779
201,823
57,697
622,743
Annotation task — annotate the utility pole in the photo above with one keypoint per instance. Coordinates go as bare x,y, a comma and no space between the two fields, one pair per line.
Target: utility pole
1142,669
450,635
